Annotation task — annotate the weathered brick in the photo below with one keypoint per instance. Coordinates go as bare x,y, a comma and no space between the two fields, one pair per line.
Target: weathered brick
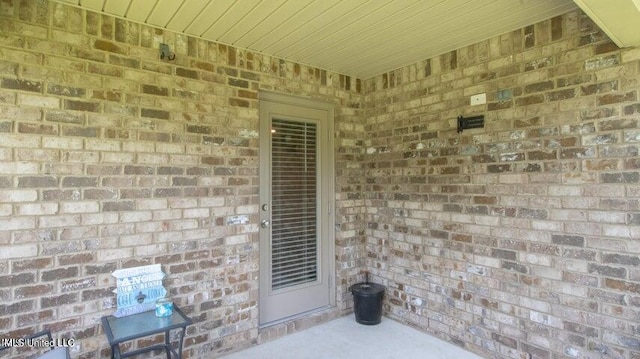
93,294
124,61
22,85
135,193
80,131
152,113
248,94
238,83
67,91
37,182
33,291
623,286
602,62
76,285
35,317
504,340
561,95
537,64
108,46
6,126
18,307
620,177
80,258
58,301
31,264
140,170
621,259
199,129
16,279
65,117
100,268
183,72
33,128
108,95
79,182
155,90
529,100
118,206
239,102
82,106
539,87
617,98
207,66
57,195
154,136
608,271
184,181
568,240
167,192
618,124
106,70
59,273
503,254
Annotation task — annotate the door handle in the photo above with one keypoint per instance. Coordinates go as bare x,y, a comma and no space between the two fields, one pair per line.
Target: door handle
265,223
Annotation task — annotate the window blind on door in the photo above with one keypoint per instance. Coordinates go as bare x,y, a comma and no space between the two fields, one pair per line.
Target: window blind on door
294,204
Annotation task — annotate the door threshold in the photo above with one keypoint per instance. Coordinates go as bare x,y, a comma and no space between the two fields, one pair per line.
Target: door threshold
297,323
293,318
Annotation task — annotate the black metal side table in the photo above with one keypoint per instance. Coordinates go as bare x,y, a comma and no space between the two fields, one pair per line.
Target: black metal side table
123,329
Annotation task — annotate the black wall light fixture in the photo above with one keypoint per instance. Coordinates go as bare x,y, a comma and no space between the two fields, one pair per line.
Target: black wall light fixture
470,122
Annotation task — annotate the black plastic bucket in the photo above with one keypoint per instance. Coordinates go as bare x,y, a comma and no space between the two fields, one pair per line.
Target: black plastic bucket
367,302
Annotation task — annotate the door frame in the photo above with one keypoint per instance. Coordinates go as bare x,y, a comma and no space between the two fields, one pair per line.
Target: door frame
327,183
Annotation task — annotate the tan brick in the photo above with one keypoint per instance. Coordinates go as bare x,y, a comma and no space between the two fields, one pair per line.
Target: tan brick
18,251
114,254
18,195
38,101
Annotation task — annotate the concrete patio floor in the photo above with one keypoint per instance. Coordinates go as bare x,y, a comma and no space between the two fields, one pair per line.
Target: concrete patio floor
344,338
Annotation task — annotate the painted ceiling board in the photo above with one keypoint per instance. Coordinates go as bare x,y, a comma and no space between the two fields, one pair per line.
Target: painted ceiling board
345,30
271,25
163,12
401,28
361,38
186,14
264,10
238,11
96,5
116,7
291,19
207,17
321,22
139,10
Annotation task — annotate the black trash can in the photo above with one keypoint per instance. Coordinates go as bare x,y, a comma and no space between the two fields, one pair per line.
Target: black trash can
367,302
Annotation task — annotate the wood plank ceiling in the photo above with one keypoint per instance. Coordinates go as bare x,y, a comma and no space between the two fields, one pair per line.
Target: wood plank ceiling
361,38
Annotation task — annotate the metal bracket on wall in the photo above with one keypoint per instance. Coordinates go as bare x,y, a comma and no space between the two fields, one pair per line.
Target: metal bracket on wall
166,53
470,122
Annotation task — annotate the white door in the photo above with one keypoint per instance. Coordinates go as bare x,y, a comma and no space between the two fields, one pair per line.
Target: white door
296,197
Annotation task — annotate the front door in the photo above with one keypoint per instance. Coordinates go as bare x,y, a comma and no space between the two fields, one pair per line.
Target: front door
296,196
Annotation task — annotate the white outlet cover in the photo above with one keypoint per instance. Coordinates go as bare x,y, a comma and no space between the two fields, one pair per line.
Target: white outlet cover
479,99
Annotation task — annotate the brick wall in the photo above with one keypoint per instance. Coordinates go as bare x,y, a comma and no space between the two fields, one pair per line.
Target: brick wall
111,157
516,240
519,239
